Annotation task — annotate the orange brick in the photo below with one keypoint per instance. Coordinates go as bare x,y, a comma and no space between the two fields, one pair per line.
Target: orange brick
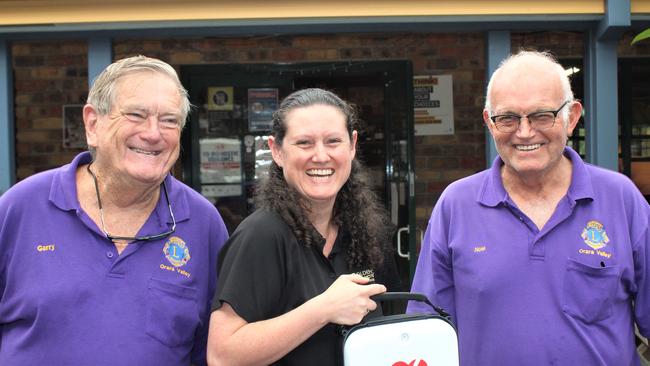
50,123
186,58
48,72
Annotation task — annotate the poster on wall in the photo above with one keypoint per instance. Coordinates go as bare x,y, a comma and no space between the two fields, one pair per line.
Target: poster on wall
262,102
74,134
433,105
220,98
220,160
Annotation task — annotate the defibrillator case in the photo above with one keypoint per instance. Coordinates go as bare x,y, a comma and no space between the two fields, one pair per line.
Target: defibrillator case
403,339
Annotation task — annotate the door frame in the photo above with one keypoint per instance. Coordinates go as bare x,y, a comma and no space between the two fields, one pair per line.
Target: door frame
398,83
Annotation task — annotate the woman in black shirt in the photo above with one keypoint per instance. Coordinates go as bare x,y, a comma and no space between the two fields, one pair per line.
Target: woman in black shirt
305,261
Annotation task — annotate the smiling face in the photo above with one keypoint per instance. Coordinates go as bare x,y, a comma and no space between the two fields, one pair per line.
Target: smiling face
139,139
530,85
316,153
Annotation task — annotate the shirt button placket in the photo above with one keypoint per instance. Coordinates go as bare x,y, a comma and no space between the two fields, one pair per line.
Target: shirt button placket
538,248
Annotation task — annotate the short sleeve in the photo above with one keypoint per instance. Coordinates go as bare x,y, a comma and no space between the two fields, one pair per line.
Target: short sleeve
218,235
434,273
253,273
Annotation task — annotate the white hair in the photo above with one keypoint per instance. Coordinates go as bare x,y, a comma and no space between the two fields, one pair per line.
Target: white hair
540,55
102,92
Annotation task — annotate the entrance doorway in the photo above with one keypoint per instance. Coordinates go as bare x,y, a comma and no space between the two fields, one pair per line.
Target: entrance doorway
224,146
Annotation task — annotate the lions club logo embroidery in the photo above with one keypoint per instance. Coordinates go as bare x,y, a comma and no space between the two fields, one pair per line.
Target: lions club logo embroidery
176,252
594,235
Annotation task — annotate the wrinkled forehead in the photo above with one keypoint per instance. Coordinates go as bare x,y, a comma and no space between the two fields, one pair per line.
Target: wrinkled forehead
129,87
528,82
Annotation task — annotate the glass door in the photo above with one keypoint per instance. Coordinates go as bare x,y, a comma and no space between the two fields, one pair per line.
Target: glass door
634,116
224,146
218,129
400,165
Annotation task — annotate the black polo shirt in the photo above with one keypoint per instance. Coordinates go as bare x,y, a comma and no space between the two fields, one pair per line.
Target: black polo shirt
267,273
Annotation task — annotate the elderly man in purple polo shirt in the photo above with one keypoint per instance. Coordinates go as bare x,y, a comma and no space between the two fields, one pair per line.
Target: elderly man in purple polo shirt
542,259
109,260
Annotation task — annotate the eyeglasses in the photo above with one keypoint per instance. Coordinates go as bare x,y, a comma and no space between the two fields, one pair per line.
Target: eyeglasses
132,238
541,120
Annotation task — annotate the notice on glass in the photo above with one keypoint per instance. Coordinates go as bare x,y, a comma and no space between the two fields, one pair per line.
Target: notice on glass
263,157
220,98
261,105
433,105
220,160
213,192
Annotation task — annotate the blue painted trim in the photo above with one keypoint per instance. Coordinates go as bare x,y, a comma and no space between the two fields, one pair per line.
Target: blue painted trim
618,12
601,104
497,47
7,126
616,20
100,55
215,28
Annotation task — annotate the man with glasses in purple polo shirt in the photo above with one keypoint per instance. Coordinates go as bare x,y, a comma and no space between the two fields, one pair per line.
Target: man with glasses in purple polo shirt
109,260
542,259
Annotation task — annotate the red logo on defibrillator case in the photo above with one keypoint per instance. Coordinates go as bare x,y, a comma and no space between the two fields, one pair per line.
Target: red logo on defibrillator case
412,363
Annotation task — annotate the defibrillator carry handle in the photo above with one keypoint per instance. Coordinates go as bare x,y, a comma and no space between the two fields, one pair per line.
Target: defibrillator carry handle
408,296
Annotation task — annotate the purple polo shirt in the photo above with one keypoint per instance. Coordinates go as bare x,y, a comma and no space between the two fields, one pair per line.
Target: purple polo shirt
68,298
562,295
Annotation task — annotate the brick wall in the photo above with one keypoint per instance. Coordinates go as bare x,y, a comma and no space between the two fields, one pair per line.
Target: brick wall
50,74
561,44
47,75
438,159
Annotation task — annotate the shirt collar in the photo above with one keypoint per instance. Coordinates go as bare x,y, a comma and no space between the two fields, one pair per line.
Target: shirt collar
63,191
492,192
340,244
178,199
581,185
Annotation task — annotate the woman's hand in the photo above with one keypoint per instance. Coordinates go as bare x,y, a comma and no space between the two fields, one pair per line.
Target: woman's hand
233,341
347,300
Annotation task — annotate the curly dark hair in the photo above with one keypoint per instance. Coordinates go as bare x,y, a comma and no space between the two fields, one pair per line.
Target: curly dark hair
357,208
